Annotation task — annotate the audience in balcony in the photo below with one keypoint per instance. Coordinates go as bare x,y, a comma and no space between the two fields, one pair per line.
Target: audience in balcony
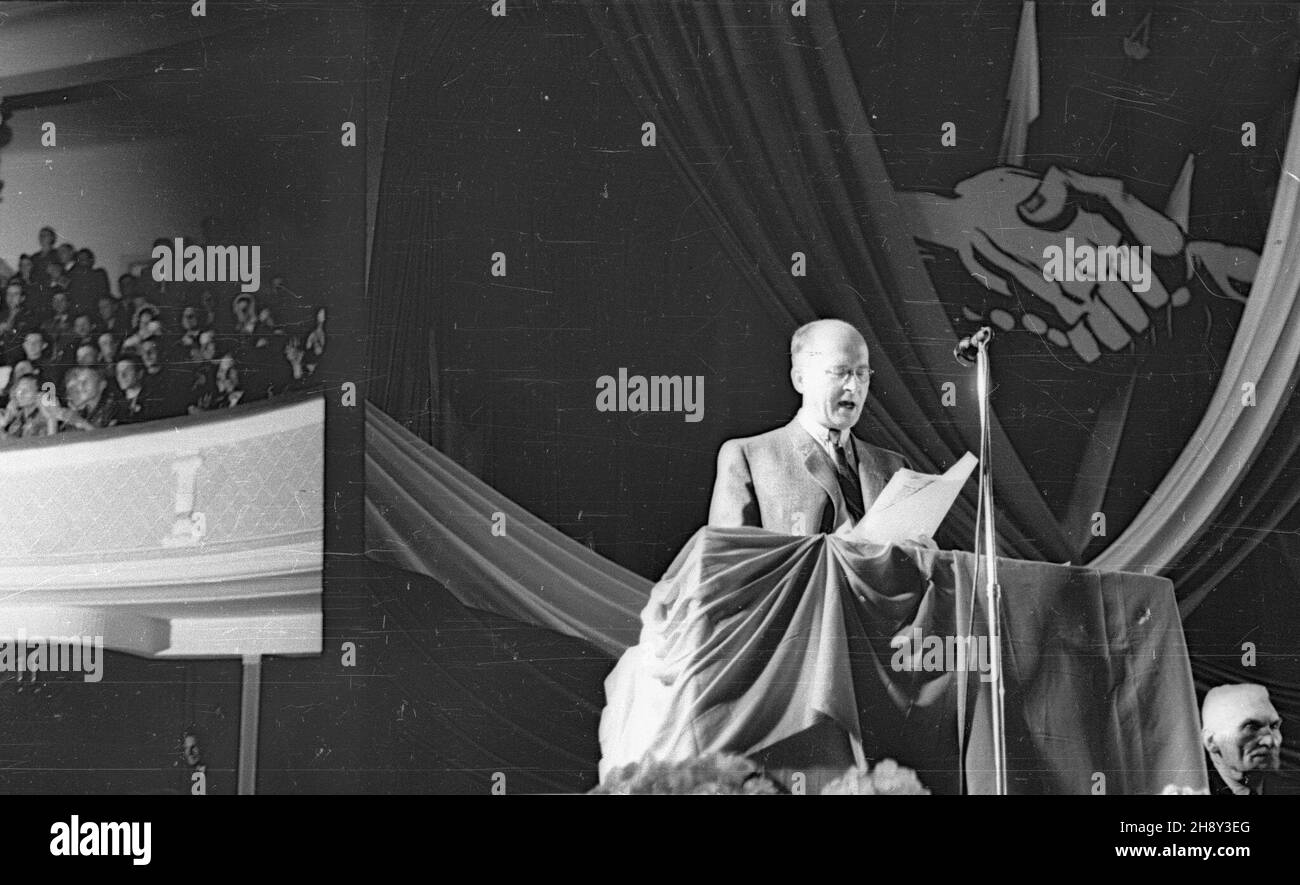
74,356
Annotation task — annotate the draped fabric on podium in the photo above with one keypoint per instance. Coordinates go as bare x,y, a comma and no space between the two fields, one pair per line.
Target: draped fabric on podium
752,637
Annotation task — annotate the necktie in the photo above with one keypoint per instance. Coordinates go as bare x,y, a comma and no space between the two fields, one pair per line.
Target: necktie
849,485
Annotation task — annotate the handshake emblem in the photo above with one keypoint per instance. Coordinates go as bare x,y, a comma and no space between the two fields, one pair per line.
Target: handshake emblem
1073,257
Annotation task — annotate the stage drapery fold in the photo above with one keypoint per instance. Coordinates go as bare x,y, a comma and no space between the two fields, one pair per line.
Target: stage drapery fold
1245,444
427,514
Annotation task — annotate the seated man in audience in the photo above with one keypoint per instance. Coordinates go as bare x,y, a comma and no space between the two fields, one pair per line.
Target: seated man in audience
110,314
87,355
27,275
109,348
27,415
15,321
230,392
130,375
1243,735
189,334
86,283
37,353
83,333
203,366
145,325
91,406
58,322
51,280
166,392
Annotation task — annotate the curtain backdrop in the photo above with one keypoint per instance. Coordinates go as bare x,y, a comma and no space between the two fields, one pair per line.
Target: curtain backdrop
793,161
769,132
1246,446
404,325
789,163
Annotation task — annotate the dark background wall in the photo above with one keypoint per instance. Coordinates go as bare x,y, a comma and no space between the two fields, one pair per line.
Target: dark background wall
532,147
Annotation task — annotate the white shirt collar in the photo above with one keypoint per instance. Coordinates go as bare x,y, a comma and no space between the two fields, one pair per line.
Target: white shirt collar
823,435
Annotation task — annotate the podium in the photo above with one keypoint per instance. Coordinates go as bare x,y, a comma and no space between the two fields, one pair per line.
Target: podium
756,642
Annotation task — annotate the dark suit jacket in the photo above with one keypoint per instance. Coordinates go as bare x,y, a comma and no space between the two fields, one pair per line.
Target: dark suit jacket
784,481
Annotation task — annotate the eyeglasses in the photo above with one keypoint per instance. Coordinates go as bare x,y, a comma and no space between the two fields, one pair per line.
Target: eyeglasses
842,373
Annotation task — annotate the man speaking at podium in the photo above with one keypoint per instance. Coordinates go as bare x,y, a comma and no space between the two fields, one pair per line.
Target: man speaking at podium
813,475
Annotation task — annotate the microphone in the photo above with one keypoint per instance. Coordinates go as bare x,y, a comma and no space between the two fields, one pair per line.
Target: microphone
969,346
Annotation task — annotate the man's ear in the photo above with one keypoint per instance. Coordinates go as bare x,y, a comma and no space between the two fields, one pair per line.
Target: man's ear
796,378
1211,746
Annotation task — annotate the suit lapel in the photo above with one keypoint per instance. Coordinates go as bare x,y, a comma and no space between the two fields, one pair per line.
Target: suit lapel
818,464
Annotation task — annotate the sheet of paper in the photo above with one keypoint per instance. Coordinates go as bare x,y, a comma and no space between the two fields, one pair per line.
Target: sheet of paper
913,504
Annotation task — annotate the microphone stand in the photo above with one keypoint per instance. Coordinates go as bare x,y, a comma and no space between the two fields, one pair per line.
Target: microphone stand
992,589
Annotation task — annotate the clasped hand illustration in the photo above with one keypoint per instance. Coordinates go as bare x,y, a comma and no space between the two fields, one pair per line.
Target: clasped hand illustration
1009,227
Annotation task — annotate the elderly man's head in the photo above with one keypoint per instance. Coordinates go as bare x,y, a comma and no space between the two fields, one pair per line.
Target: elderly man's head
830,368
1241,731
